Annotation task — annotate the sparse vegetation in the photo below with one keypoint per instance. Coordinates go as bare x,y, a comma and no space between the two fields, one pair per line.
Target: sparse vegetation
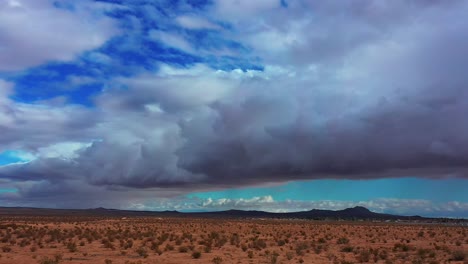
225,241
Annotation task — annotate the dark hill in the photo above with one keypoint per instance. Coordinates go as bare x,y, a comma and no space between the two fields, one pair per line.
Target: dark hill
355,213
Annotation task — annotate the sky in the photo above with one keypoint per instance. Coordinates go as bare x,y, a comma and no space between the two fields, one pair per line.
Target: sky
204,105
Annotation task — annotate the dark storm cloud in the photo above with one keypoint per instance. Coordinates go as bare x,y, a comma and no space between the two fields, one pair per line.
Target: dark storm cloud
396,110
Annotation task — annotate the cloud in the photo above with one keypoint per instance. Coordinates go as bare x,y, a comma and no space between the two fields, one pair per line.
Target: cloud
29,127
360,91
235,10
327,32
369,105
36,32
195,22
172,40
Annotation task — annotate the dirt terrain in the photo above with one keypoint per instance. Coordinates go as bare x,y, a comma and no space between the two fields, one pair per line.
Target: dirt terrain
49,240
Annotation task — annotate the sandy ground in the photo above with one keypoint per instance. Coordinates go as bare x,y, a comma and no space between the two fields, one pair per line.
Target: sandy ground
177,240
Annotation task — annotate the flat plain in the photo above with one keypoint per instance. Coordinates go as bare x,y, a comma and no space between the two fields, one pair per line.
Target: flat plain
135,240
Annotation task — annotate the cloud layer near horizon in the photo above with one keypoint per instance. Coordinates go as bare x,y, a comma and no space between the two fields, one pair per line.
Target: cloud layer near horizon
357,91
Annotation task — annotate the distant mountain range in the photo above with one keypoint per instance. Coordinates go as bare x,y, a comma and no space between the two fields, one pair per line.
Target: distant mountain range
355,213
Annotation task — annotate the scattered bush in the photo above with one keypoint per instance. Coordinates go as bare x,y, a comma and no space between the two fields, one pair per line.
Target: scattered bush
458,255
183,249
347,249
142,252
342,240
47,260
71,246
6,249
217,260
196,254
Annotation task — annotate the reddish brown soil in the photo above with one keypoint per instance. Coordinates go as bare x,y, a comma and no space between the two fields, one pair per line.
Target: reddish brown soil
176,240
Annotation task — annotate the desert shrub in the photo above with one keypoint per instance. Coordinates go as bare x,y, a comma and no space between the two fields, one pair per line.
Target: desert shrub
24,242
217,260
129,244
71,246
347,249
183,249
221,241
133,262
364,256
319,248
300,247
423,253
169,247
259,244
342,240
418,261
213,235
235,240
244,247
458,255
401,247
108,261
47,260
273,258
6,249
207,249
142,252
107,244
196,254
383,254
250,254
55,260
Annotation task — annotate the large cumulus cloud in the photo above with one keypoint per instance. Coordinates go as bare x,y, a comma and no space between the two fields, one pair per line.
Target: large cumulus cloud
365,90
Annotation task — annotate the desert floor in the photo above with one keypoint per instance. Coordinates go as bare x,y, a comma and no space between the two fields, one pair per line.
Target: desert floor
49,240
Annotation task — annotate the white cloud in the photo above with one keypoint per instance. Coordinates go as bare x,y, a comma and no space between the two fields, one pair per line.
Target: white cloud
196,22
236,10
172,40
176,89
5,90
238,203
62,150
35,32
